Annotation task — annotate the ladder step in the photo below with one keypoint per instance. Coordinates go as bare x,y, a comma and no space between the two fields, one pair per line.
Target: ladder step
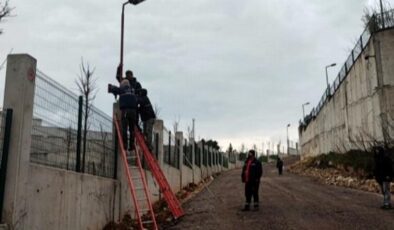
147,222
144,210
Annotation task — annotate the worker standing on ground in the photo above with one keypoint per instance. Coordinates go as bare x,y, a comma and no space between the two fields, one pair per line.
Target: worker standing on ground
279,165
383,174
128,107
251,175
148,116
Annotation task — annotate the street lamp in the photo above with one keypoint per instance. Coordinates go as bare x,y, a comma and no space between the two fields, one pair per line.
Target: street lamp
382,14
332,65
134,2
288,142
303,109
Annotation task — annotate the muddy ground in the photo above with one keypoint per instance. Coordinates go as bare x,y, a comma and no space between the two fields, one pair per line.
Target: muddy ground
287,202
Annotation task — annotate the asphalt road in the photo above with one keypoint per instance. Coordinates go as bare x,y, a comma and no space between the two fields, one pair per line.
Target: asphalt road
286,202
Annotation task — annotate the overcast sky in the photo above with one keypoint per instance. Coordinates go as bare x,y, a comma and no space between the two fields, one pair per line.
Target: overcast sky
242,69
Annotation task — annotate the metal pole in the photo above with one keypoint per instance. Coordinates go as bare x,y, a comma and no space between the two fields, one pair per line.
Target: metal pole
303,112
4,158
121,38
382,14
79,135
288,147
194,132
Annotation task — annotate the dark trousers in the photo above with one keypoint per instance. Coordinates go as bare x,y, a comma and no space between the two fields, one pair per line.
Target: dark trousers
252,190
129,119
148,132
280,169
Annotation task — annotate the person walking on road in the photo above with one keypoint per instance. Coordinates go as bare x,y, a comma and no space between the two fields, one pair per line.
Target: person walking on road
251,175
383,174
279,165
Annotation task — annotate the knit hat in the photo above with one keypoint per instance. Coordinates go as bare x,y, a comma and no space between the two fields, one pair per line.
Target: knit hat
124,83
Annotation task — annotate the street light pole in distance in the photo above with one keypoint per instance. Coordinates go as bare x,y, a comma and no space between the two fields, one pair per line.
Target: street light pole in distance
287,131
328,84
303,109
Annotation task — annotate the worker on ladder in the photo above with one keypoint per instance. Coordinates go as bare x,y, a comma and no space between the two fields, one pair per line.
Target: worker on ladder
147,115
128,106
134,84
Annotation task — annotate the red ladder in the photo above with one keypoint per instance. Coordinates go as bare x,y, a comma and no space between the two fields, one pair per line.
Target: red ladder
169,196
133,189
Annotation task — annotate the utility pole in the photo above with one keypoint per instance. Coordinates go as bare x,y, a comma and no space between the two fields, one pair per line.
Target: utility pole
288,142
193,130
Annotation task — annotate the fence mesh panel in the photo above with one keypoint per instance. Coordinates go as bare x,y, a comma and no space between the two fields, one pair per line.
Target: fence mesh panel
54,131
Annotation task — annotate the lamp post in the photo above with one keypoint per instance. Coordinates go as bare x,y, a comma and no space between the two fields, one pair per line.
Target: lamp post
382,14
287,131
134,2
303,109
328,84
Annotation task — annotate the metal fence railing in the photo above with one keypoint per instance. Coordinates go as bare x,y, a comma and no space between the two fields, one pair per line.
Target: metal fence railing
197,155
188,153
171,149
55,129
377,23
5,133
2,132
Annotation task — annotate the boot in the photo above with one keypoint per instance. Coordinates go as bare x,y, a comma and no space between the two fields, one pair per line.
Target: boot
246,208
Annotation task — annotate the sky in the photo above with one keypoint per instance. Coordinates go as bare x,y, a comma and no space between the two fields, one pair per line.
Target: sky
241,69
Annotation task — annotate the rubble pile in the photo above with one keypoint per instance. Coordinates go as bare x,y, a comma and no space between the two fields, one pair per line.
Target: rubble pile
337,175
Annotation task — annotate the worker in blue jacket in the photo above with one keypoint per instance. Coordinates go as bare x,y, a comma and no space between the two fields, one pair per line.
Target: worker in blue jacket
128,106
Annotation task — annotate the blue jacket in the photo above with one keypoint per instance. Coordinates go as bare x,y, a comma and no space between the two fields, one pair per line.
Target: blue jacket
127,98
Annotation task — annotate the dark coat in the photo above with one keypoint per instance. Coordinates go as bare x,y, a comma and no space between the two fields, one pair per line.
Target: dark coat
145,108
127,99
255,172
383,171
135,85
279,164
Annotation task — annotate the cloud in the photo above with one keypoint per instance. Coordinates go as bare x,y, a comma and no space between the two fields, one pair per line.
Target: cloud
242,69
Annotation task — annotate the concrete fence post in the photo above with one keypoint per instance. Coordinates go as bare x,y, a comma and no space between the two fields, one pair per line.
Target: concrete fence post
179,149
193,153
19,96
158,128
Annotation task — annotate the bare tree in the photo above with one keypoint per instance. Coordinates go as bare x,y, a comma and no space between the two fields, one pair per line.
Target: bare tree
5,11
243,148
87,87
175,124
373,23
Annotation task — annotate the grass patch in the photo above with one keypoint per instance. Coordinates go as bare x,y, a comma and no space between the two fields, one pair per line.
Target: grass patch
355,162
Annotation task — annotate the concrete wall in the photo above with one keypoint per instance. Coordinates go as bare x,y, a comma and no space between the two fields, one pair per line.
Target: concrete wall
60,199
362,108
41,197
